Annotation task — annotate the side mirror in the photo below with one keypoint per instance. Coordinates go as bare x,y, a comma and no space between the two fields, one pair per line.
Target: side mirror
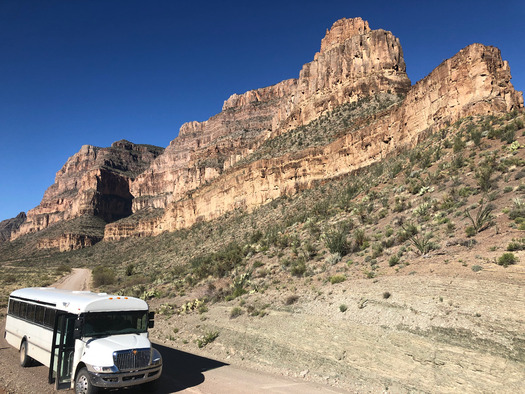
151,319
77,330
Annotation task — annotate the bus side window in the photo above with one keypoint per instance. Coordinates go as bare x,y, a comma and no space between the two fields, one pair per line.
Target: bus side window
31,312
49,317
39,314
16,308
23,310
11,308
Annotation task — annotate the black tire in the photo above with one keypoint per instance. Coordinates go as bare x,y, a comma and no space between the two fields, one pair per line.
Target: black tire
83,384
25,360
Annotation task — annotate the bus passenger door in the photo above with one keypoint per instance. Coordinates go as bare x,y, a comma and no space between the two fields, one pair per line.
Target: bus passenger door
62,351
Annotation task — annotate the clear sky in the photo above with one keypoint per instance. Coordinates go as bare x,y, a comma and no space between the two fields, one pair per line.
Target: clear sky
76,72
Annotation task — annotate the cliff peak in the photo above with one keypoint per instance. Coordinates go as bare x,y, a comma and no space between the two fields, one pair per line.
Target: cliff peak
342,30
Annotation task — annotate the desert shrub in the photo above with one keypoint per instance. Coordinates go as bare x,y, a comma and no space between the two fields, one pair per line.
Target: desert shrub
422,242
103,276
507,259
207,338
458,144
333,258
337,279
130,269
470,231
292,299
336,242
298,268
509,133
482,220
63,269
393,260
343,308
218,264
386,295
517,210
516,244
475,136
476,268
484,174
408,230
235,312
360,239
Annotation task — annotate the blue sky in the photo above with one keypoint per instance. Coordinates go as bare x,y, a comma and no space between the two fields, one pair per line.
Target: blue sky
76,72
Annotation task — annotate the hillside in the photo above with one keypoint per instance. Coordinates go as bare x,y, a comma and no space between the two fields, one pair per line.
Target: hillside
378,279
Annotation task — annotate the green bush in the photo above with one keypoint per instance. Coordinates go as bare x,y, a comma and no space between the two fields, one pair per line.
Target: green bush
516,245
337,279
207,338
63,269
235,312
298,268
103,276
394,260
507,259
343,308
336,242
218,264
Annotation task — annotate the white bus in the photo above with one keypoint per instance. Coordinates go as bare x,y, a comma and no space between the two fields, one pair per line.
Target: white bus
88,340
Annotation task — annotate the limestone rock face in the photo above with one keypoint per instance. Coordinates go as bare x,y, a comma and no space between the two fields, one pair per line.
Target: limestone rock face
354,62
10,225
474,81
94,181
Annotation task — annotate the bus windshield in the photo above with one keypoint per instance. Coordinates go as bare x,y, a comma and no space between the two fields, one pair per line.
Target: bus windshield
98,324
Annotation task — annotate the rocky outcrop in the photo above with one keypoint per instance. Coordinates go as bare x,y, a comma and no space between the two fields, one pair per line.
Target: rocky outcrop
354,62
8,226
67,242
93,182
475,81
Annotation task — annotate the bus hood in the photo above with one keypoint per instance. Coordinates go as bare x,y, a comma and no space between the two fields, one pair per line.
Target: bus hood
99,351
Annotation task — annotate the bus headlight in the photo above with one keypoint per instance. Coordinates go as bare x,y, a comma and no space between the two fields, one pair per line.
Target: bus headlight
96,368
156,358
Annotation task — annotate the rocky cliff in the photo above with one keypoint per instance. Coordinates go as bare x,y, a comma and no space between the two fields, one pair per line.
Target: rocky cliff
350,107
8,226
354,62
93,182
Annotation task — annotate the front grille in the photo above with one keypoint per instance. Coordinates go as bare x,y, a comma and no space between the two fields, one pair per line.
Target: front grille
129,360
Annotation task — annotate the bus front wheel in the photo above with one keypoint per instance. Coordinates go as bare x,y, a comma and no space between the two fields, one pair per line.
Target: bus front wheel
83,384
25,360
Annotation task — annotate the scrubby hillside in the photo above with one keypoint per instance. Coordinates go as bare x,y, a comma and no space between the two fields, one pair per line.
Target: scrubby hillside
406,275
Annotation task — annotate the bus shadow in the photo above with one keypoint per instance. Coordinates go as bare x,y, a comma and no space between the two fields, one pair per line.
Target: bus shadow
180,370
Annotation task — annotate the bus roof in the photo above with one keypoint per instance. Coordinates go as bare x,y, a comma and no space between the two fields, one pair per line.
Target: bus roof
80,301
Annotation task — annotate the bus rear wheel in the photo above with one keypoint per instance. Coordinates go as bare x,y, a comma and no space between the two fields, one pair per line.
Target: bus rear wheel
25,360
83,384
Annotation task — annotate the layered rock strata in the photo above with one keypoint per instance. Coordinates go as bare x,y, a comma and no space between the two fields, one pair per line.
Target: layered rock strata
93,182
216,166
354,62
474,81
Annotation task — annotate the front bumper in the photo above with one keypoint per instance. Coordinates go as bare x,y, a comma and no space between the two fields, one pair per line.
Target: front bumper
125,379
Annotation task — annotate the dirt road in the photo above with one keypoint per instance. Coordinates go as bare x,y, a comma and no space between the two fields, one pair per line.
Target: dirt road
79,279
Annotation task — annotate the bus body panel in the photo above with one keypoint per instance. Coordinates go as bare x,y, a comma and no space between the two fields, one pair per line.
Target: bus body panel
38,338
